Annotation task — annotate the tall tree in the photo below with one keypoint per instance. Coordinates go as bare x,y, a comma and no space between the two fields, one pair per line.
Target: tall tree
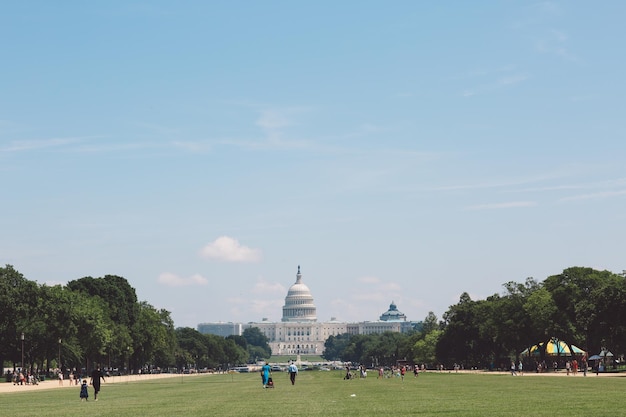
335,345
257,344
115,292
17,296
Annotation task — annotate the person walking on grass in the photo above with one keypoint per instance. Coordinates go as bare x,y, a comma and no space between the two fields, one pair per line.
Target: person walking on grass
96,375
293,372
84,392
265,374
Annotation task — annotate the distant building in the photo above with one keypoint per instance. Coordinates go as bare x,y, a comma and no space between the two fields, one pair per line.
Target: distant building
221,329
299,332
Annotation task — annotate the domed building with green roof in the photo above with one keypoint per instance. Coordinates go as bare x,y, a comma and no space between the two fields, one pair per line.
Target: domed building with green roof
393,314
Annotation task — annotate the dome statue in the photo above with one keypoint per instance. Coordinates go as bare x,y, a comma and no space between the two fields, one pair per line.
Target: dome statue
299,304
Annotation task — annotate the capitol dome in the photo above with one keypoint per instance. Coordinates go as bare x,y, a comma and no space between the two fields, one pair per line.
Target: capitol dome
299,302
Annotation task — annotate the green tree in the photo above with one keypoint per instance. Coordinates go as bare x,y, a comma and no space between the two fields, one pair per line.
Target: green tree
257,344
234,354
334,346
460,334
116,293
192,347
430,323
154,338
425,349
94,328
17,297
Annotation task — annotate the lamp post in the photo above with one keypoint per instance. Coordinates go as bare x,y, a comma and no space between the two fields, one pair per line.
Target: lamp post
22,365
59,353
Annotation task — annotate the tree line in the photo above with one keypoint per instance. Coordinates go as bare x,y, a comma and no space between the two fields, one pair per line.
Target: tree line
581,306
99,320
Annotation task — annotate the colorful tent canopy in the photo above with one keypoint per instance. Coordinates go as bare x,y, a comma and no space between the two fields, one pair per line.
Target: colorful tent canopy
553,347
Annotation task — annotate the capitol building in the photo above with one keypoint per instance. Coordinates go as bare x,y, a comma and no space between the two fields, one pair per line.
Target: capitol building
299,332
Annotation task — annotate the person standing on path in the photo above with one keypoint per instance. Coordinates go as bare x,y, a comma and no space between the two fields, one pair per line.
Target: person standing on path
293,372
96,374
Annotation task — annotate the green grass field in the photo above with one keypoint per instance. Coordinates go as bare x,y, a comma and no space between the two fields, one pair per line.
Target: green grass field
319,393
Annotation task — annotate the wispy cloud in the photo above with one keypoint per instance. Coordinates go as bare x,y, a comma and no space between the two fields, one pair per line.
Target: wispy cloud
555,42
499,206
538,13
595,196
36,144
368,280
500,83
172,280
375,289
259,307
494,184
194,146
272,120
272,124
228,249
262,286
586,190
484,72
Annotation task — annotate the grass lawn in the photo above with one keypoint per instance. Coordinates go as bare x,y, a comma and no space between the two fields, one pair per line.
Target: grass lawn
324,393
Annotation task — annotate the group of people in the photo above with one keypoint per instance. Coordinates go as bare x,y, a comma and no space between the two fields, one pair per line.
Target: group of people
96,377
398,371
19,378
571,366
74,379
266,374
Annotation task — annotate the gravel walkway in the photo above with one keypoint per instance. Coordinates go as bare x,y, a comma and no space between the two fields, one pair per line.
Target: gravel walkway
54,383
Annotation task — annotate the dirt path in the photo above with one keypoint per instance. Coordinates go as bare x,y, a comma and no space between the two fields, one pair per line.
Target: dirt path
54,384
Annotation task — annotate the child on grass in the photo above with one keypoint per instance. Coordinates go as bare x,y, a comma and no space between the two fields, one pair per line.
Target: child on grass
84,392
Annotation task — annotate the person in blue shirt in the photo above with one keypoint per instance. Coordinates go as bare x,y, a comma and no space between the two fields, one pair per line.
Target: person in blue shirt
266,371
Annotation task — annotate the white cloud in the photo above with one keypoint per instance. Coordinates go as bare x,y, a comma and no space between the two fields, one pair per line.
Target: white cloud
376,290
263,286
512,79
496,206
272,119
35,144
374,297
592,196
503,81
228,249
173,280
261,308
369,280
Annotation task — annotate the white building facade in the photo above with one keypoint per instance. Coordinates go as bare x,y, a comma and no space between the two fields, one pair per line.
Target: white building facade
299,332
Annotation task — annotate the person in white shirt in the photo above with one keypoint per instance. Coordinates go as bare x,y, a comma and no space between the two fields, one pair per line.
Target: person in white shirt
293,372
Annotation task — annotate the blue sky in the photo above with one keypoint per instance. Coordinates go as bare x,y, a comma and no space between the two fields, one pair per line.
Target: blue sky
398,151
